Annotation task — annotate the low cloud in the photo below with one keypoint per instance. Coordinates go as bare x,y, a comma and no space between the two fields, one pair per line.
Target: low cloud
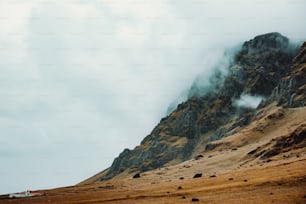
248,101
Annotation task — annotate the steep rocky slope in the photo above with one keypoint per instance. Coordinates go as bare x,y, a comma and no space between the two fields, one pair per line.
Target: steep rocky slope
262,163
263,67
291,90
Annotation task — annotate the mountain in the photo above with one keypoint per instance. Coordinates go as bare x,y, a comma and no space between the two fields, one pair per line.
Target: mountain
241,140
264,68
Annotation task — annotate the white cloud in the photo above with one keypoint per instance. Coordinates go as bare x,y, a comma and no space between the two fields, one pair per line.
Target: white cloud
81,80
248,101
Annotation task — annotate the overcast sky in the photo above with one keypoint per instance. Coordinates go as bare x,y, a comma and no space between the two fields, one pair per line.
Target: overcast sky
80,80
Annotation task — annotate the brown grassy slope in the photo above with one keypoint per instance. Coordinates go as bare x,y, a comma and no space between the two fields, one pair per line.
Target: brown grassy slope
241,169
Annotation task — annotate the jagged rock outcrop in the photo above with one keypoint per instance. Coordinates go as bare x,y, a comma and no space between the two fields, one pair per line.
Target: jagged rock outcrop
291,90
256,70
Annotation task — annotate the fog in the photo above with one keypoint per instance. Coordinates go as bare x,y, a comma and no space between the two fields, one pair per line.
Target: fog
248,101
82,80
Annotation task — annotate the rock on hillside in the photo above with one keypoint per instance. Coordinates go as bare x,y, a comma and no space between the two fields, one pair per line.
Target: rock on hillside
262,64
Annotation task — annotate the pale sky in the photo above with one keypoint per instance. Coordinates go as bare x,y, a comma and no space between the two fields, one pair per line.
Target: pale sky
83,79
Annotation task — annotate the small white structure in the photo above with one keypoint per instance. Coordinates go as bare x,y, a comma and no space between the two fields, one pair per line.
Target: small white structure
25,194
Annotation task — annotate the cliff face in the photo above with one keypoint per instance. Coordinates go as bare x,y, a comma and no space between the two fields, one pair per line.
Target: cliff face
291,90
264,67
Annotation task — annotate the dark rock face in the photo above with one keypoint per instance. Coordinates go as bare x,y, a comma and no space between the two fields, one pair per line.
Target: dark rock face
256,70
296,140
266,42
291,91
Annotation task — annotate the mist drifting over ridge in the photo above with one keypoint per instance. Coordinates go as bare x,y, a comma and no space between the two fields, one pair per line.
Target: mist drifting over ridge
78,76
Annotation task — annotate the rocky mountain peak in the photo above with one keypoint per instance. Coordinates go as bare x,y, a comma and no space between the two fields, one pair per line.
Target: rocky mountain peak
265,42
259,69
